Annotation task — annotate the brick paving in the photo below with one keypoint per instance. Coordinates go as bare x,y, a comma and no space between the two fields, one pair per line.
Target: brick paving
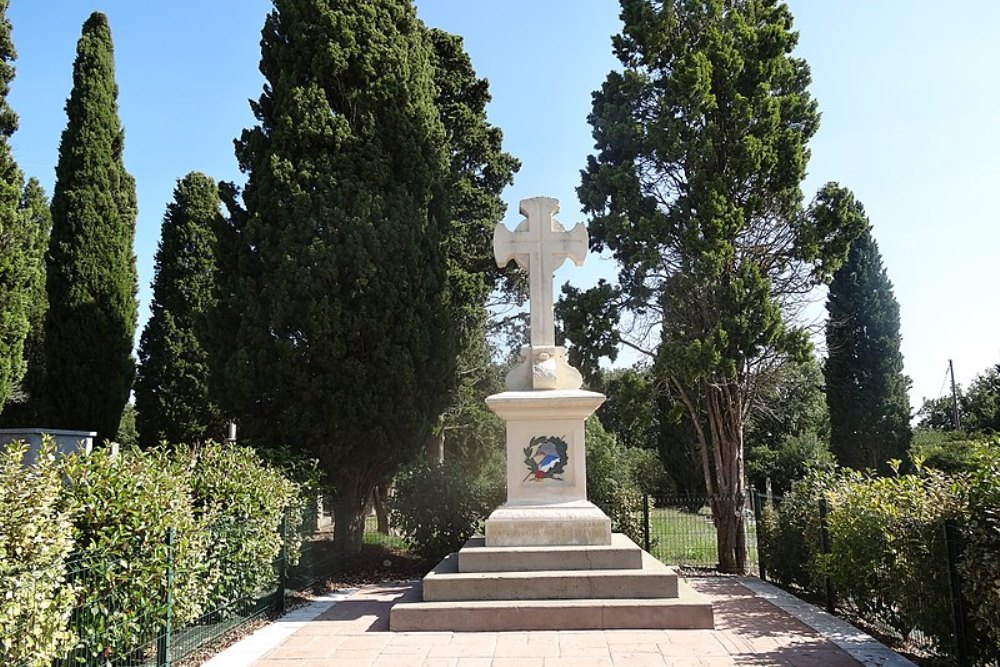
749,631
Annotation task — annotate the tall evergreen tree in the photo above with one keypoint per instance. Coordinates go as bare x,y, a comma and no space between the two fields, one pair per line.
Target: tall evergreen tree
480,170
17,236
37,220
343,345
866,390
171,390
91,274
695,189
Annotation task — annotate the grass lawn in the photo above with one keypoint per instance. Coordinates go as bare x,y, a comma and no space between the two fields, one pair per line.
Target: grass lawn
372,536
687,538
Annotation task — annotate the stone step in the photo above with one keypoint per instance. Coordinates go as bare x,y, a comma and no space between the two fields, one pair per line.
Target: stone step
690,610
446,583
621,554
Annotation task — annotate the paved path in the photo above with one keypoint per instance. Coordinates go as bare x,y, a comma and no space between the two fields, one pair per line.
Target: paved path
751,629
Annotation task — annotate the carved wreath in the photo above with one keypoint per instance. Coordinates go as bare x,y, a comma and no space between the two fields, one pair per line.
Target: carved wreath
546,457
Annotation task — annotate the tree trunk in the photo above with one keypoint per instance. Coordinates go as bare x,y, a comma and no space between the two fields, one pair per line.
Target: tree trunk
730,523
381,514
721,439
349,526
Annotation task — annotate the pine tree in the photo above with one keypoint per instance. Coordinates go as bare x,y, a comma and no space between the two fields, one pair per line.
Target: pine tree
37,220
866,390
91,274
171,390
696,191
343,345
16,235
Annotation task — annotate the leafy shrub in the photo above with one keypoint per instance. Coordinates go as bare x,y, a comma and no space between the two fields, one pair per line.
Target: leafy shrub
949,451
123,507
789,533
887,550
611,480
239,502
887,557
981,562
35,538
310,479
787,462
437,507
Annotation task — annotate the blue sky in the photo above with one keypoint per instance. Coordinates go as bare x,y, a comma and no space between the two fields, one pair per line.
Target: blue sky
908,93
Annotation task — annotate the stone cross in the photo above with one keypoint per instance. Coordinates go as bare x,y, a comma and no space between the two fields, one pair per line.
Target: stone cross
540,245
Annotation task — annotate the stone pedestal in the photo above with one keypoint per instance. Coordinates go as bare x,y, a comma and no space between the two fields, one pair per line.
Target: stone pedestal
618,585
546,471
549,560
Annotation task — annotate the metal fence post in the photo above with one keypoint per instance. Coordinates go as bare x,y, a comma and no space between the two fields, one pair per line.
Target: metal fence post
756,532
824,542
645,522
951,538
163,640
282,564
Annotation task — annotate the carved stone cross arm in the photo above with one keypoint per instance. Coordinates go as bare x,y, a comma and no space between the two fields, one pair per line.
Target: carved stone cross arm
540,245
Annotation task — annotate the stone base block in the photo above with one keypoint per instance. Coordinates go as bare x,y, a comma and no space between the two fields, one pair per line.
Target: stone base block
621,554
652,580
690,610
559,524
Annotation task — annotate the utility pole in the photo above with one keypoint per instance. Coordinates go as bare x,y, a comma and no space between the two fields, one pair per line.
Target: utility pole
956,418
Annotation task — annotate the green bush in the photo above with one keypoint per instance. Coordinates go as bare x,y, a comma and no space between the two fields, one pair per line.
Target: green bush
789,461
887,558
888,553
981,562
123,507
438,507
239,502
310,479
949,451
611,479
35,539
789,533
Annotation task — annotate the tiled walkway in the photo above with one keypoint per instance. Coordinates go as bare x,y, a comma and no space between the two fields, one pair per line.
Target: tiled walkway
750,630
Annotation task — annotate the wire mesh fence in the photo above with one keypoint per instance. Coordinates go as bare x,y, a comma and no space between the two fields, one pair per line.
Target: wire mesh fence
682,532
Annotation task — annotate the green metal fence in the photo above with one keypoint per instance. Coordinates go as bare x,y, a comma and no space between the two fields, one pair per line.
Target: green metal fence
681,532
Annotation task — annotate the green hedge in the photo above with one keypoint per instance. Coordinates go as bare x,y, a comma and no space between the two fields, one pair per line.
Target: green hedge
614,474
84,553
887,553
35,539
239,501
123,507
981,562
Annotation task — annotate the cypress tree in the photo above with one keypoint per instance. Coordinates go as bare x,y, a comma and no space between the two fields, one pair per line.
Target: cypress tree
479,171
171,390
16,235
91,274
866,390
343,346
37,220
